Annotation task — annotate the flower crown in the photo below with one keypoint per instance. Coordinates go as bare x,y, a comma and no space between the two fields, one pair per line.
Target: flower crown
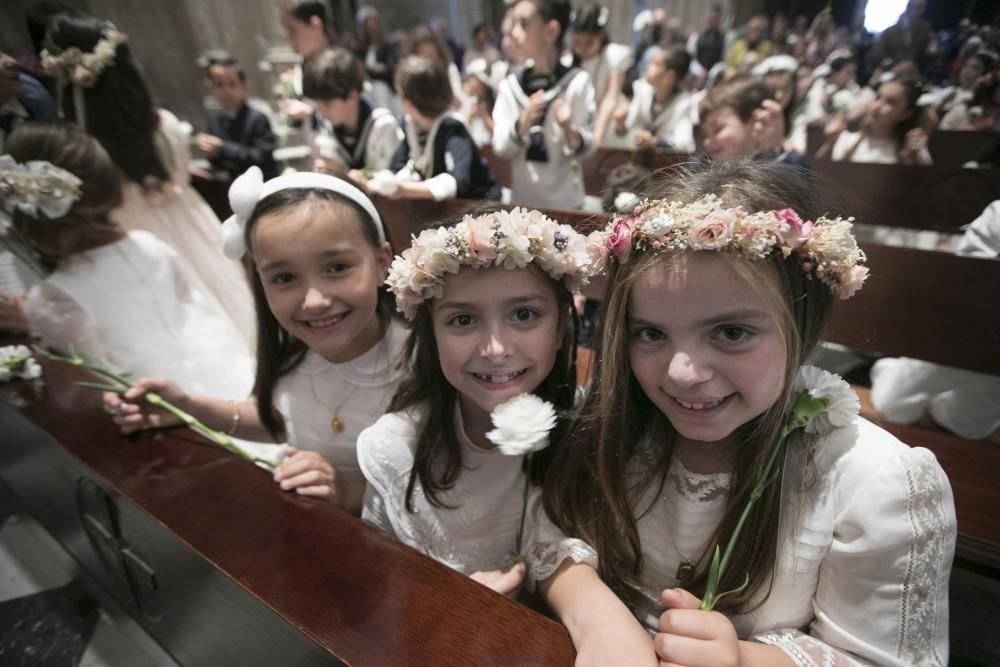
827,247
511,239
36,186
83,67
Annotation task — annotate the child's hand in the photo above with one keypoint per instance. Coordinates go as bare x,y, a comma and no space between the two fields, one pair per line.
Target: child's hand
644,140
307,473
694,638
531,112
836,125
359,179
562,113
12,313
505,582
768,125
209,144
132,414
915,140
296,109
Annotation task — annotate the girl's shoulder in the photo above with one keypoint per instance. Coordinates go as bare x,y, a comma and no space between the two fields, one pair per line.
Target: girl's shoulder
386,448
863,453
617,56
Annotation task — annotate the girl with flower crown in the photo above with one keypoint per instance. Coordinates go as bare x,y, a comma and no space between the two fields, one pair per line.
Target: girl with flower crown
492,320
101,89
328,345
708,462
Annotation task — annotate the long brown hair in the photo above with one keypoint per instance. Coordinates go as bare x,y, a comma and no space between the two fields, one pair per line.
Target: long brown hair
278,352
437,460
587,491
86,226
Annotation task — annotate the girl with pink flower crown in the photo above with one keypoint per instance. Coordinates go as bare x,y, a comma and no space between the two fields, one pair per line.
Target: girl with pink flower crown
492,320
328,343
717,502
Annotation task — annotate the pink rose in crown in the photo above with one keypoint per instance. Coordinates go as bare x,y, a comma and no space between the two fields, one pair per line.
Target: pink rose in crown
798,231
714,232
480,234
620,242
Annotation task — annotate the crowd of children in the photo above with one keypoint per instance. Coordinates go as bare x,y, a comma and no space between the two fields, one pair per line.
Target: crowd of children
379,381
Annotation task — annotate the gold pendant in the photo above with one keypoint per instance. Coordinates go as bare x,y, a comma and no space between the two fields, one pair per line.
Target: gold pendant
685,571
336,424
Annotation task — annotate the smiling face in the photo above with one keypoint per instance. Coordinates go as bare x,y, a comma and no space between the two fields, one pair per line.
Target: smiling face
727,137
497,334
321,276
889,107
705,346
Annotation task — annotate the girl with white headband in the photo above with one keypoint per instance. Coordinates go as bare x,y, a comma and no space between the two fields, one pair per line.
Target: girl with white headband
492,320
328,347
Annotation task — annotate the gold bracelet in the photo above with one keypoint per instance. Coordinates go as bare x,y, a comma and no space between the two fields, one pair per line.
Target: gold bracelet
236,419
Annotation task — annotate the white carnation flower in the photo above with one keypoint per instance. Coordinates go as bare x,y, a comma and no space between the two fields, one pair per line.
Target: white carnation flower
16,362
522,424
658,225
843,402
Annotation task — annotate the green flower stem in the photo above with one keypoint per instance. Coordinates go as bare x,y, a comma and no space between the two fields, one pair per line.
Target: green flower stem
805,409
122,384
518,554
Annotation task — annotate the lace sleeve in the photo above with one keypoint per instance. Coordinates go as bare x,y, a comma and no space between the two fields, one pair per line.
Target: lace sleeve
882,592
374,513
806,651
547,547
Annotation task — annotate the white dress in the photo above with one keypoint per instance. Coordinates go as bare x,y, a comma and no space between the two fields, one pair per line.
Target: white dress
182,219
357,391
479,534
132,305
558,182
866,539
612,58
856,147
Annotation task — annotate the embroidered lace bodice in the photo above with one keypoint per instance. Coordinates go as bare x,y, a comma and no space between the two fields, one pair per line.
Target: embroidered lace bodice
479,533
866,539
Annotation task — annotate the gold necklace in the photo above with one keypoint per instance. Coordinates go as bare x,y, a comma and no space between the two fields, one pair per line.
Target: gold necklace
336,423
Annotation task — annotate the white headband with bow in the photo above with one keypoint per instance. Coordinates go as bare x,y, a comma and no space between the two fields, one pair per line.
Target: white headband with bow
250,188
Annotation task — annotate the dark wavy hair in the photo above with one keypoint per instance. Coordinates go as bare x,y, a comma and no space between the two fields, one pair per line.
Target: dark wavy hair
438,455
588,492
278,352
119,108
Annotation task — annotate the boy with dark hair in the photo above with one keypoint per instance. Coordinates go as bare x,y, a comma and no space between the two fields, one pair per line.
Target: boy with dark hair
661,114
439,159
360,137
543,113
238,137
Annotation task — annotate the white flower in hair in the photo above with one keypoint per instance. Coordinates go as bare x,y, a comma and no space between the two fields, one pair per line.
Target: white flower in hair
16,362
37,187
842,402
522,424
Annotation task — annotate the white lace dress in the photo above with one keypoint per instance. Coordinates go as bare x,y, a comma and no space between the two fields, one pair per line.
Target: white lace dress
357,391
866,539
479,533
182,220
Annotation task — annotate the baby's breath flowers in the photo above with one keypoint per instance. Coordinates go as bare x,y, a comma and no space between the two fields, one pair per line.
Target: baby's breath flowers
16,363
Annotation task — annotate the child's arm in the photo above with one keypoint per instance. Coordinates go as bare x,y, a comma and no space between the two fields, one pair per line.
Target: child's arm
235,418
455,182
259,146
509,138
604,631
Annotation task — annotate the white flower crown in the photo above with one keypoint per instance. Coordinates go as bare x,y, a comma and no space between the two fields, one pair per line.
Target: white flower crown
84,67
36,187
827,247
511,239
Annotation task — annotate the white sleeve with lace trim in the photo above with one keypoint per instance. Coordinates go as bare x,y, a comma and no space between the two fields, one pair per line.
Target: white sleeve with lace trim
547,547
882,592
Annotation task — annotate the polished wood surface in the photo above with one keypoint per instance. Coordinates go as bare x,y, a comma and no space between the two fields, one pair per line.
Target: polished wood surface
222,567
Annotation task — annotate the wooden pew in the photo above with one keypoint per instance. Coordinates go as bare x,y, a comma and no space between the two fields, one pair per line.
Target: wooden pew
221,567
914,197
